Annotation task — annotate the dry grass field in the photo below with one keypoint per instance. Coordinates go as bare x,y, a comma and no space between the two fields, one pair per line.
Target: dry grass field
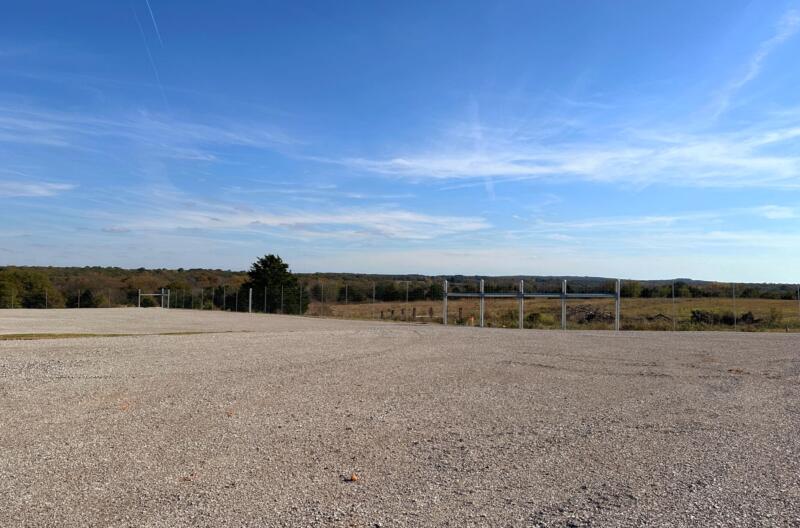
637,313
210,419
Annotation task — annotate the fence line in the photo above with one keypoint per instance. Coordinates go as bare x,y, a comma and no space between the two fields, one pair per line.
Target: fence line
520,294
670,305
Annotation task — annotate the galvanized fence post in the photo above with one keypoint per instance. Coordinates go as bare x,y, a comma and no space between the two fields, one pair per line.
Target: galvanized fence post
564,305
250,301
444,304
139,301
674,310
481,303
521,303
617,302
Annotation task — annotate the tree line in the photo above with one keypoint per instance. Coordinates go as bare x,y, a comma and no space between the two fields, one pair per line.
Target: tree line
276,288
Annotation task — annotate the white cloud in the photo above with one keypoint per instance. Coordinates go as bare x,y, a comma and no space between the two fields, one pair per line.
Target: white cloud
787,28
19,189
170,210
776,212
763,153
166,136
746,158
349,224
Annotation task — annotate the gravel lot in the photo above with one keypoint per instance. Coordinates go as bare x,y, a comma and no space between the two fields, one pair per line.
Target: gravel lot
439,426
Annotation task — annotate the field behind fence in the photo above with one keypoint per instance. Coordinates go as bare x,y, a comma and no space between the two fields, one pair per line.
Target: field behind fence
636,313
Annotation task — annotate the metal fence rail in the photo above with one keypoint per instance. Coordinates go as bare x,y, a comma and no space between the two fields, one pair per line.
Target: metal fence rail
521,295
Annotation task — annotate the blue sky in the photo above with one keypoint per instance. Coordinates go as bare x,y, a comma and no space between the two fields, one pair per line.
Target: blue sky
631,139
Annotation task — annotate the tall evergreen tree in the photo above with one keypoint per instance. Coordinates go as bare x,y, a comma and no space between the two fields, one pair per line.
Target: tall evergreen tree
271,275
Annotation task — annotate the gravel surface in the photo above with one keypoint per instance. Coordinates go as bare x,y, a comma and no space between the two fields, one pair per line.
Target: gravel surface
148,321
302,422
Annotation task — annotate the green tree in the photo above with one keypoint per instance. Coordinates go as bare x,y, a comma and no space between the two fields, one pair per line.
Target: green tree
271,274
631,289
24,288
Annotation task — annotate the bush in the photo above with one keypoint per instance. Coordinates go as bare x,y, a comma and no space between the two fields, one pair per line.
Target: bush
775,317
712,318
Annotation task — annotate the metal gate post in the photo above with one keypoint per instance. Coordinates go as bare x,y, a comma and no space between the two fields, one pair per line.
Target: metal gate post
250,301
617,302
521,303
139,302
481,303
444,304
564,305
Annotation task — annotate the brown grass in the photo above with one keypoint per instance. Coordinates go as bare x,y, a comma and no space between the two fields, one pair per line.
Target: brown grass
637,314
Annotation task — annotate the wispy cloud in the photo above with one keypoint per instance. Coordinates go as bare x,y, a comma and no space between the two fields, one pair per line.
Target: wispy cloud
162,134
621,149
174,211
745,158
660,223
787,28
350,224
19,189
776,212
